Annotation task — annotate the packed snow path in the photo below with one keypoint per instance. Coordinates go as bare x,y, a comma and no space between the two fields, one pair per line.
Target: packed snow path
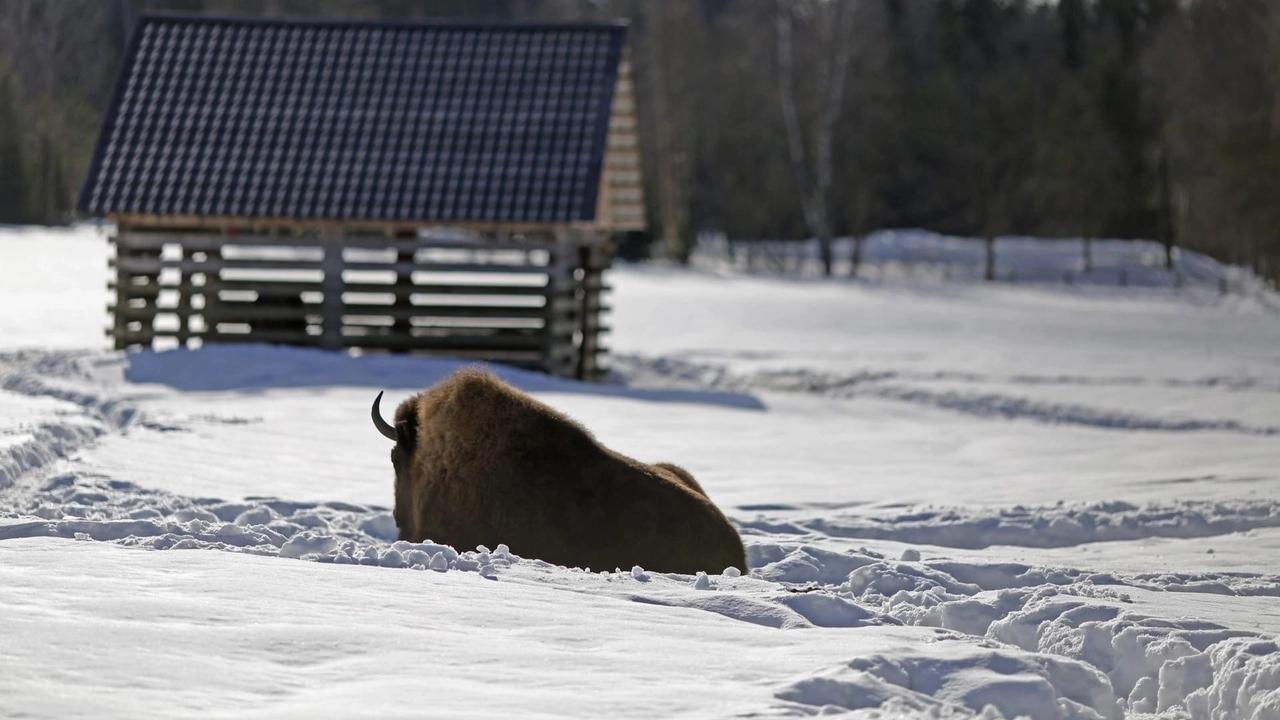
957,501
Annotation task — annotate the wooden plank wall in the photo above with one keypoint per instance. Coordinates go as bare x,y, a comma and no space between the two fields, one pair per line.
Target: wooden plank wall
621,196
535,302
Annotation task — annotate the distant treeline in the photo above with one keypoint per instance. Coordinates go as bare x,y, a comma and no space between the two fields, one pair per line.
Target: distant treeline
817,118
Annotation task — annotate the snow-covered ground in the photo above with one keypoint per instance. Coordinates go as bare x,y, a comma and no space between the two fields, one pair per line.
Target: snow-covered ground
959,500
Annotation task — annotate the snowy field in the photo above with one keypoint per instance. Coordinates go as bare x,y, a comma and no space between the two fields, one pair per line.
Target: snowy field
959,500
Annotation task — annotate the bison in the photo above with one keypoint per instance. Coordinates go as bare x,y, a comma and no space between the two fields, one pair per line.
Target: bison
478,461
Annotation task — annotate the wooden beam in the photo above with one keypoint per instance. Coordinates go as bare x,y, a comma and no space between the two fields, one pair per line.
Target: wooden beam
133,221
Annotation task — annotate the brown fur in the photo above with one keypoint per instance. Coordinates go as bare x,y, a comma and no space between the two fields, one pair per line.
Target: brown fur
481,462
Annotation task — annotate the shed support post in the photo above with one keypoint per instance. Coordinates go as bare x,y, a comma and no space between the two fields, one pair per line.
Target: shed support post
402,327
595,258
118,323
183,309
557,344
331,309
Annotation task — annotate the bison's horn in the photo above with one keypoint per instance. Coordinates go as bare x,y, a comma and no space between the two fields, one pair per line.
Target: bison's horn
383,426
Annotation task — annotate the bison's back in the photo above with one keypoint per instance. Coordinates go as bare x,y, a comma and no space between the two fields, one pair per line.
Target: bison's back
498,466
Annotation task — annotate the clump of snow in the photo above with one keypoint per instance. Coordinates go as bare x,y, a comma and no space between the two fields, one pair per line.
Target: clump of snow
910,555
307,543
731,572
260,515
382,526
638,574
702,582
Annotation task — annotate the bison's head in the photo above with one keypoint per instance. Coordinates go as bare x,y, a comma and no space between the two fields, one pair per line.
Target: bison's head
405,436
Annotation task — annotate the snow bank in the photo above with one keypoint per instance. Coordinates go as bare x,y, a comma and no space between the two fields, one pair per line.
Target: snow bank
914,254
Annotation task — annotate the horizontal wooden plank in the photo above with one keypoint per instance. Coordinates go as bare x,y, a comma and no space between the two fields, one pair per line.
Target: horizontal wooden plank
625,195
427,266
622,122
444,311
568,327
145,313
128,222
282,288
135,291
623,141
153,266
576,305
624,177
135,337
205,242
621,160
504,342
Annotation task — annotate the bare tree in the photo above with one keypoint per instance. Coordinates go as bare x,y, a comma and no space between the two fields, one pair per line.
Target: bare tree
810,134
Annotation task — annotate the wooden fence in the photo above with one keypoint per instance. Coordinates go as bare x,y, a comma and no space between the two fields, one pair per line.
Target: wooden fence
531,303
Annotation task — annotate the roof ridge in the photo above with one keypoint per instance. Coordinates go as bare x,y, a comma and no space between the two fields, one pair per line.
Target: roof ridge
423,23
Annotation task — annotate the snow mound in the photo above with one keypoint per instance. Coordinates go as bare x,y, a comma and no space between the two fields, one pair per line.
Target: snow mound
1148,664
950,681
71,506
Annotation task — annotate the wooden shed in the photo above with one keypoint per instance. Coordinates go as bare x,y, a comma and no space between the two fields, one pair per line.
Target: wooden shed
438,187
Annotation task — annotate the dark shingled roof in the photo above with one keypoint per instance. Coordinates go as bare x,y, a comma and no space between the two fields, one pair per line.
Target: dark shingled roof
448,122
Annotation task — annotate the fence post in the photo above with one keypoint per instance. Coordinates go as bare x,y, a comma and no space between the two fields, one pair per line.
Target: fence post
1088,254
855,260
990,274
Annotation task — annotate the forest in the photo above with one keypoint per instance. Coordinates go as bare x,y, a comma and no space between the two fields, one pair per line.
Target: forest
785,119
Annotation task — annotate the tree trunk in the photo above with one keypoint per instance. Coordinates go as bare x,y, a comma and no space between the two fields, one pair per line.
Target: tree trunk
672,211
812,167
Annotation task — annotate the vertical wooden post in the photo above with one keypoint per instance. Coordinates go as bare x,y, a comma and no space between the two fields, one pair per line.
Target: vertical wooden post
118,323
599,257
209,290
560,286
183,309
990,273
128,289
1088,254
331,309
405,258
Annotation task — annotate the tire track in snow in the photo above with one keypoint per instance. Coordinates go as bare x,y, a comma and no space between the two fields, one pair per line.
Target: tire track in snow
1057,526
44,445
36,374
668,372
